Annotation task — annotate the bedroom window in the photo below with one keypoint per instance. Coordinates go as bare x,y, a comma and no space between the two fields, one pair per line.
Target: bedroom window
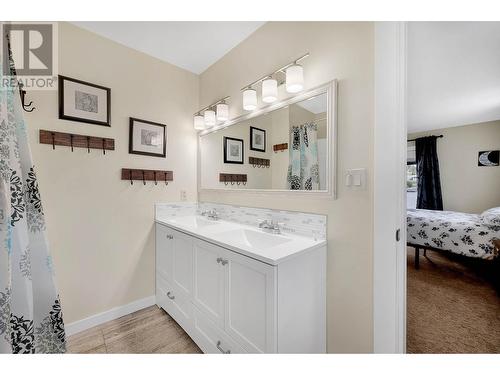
411,176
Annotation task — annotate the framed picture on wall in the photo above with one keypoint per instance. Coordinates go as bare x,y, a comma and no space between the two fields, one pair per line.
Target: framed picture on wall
233,150
147,138
488,158
84,101
257,139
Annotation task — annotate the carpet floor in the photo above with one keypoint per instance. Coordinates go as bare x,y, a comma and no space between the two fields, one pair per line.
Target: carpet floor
451,307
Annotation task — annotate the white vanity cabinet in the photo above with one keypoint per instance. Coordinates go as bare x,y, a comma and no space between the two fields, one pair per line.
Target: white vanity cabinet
231,303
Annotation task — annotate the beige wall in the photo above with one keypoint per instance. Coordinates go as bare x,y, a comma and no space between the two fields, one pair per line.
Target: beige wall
344,51
467,187
100,228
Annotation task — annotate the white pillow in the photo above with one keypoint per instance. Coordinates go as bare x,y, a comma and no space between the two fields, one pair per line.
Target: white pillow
491,216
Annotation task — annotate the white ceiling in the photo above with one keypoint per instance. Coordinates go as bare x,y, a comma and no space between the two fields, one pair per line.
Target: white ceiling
193,46
453,74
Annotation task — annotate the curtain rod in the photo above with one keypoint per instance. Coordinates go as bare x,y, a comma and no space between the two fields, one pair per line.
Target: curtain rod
437,136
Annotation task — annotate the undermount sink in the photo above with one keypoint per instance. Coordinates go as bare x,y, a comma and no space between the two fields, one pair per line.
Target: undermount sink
192,222
253,238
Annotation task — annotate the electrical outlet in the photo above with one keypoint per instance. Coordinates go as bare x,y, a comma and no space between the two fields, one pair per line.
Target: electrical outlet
183,196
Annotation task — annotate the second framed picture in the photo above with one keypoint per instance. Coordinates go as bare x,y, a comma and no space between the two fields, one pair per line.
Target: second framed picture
147,138
257,139
233,150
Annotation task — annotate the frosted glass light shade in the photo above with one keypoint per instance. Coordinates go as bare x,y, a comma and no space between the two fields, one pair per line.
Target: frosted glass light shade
209,118
249,99
199,122
294,78
269,90
222,112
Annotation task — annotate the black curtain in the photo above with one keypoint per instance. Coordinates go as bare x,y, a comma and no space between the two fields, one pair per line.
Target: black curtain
429,183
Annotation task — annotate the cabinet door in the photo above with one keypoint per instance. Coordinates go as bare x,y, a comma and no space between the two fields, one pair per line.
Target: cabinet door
182,263
174,258
164,236
250,316
209,281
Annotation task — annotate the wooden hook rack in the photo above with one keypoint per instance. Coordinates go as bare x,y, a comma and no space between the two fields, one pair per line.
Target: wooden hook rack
54,138
259,162
280,147
147,175
230,178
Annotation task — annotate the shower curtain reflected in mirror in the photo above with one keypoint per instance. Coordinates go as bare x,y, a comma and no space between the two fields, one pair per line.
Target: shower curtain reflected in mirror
303,168
30,311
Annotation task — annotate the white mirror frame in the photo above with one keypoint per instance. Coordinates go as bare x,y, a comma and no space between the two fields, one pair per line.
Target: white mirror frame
331,90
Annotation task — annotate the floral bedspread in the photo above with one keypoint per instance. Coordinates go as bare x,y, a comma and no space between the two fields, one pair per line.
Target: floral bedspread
460,233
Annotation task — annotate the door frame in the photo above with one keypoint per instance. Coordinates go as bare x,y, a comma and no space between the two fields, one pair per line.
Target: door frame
390,134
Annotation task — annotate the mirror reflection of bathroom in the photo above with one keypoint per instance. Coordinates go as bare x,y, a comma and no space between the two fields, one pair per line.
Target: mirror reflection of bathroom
285,149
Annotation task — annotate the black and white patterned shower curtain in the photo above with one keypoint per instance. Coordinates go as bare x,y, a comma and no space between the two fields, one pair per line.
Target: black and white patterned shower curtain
30,312
303,167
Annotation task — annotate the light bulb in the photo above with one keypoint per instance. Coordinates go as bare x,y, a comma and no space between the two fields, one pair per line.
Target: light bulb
249,99
294,78
269,90
209,118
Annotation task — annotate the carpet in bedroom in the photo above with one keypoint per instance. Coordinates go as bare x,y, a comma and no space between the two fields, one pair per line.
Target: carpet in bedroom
451,308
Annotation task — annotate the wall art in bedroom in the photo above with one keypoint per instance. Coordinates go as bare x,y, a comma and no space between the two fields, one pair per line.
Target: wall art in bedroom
488,158
84,102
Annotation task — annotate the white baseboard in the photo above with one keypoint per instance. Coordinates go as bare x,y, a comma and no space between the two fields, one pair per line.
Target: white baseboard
106,316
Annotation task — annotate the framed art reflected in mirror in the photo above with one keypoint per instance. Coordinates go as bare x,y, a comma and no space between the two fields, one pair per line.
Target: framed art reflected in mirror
257,139
233,150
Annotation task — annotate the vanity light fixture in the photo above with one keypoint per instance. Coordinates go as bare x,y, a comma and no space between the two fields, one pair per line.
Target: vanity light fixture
222,112
199,122
269,90
249,99
206,117
292,74
209,118
294,78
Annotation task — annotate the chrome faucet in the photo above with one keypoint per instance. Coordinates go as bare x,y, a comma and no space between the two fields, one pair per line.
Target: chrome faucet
210,214
270,226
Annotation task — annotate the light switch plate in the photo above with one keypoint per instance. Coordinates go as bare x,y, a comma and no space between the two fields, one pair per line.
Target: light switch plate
355,179
183,196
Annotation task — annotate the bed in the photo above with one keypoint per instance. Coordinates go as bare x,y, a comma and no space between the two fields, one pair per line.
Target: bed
470,235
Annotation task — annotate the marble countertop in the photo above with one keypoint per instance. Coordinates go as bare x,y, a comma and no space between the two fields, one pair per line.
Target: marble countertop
243,239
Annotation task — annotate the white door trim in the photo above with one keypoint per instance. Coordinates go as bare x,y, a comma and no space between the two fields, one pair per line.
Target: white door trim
389,257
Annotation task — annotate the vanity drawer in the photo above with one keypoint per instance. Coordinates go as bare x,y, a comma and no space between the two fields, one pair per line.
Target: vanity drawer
175,303
210,338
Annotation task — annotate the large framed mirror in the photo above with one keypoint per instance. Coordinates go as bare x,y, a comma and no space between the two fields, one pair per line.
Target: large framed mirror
287,148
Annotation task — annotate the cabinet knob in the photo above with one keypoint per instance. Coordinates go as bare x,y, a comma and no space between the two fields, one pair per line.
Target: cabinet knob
222,350
169,295
219,260
224,262
170,237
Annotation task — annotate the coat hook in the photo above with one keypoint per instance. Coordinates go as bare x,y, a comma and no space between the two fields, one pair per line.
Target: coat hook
103,146
143,178
156,182
130,174
22,92
166,182
232,179
71,141
88,145
238,183
53,141
244,182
